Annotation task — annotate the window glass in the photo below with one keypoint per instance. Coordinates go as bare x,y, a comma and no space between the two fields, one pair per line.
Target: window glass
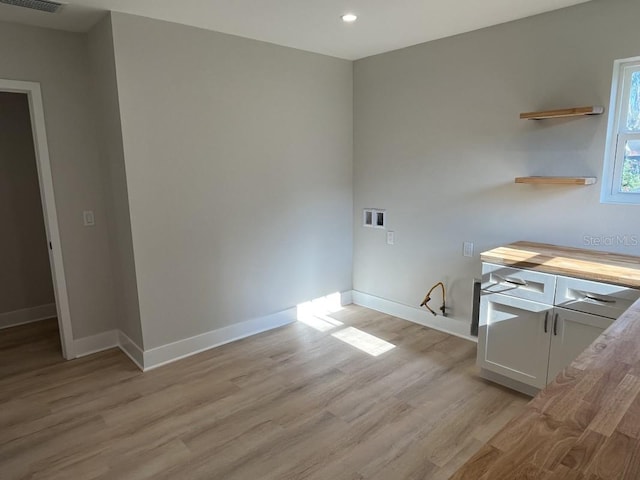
631,168
633,119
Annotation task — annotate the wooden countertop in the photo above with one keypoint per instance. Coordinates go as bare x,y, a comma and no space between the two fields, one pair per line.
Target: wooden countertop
585,425
573,262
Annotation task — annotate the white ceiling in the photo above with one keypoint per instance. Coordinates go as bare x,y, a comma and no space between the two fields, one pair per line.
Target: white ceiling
312,25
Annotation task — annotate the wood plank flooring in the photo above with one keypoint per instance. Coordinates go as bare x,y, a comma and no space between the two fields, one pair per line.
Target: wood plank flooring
293,403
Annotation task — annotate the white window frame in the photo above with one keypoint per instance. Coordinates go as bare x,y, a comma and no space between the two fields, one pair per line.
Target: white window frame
618,135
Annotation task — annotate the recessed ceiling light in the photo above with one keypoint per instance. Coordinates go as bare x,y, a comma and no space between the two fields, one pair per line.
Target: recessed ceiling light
349,18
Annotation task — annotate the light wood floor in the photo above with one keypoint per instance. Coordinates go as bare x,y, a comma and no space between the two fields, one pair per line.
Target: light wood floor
293,403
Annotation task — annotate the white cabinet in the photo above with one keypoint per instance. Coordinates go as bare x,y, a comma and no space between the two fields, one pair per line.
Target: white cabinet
530,342
513,338
571,333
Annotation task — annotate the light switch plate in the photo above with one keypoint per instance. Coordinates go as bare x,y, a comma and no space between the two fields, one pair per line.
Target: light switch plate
467,249
88,218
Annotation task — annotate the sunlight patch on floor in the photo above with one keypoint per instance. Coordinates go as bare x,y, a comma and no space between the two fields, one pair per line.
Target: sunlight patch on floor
366,342
322,324
316,312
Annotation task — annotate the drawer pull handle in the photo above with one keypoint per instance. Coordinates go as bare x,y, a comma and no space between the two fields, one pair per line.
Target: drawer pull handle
515,281
546,320
599,300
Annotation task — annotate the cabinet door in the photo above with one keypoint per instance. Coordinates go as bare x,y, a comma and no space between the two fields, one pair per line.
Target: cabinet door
514,338
571,333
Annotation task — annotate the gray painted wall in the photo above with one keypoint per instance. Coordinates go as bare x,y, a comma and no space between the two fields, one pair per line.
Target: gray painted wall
25,274
60,62
438,143
238,162
233,161
100,41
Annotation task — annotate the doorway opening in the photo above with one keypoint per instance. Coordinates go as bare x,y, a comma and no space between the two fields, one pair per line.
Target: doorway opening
32,281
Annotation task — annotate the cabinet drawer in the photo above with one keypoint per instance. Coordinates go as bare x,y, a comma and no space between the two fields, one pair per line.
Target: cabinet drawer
515,282
596,298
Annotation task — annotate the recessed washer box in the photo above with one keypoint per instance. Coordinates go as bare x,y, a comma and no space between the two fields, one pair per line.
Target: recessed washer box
374,218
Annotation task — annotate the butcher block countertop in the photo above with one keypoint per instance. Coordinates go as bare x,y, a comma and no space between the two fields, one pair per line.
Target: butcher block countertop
585,425
572,262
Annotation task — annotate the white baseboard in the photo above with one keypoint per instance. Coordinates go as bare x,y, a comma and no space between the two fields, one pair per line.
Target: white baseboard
27,315
171,352
452,326
156,357
346,298
95,343
131,349
106,340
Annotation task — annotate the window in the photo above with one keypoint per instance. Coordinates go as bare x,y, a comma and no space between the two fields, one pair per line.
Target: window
621,177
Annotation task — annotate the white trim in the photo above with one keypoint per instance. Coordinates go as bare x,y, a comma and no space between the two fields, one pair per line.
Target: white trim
27,315
346,298
452,326
32,89
155,357
106,340
612,168
171,352
96,343
131,349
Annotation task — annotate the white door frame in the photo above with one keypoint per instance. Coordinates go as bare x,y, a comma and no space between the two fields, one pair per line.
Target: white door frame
32,89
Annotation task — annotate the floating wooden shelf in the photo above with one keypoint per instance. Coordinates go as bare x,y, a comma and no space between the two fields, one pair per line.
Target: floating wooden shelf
566,112
557,180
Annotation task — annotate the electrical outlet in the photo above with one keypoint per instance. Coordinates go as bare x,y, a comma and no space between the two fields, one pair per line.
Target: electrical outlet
391,238
467,249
